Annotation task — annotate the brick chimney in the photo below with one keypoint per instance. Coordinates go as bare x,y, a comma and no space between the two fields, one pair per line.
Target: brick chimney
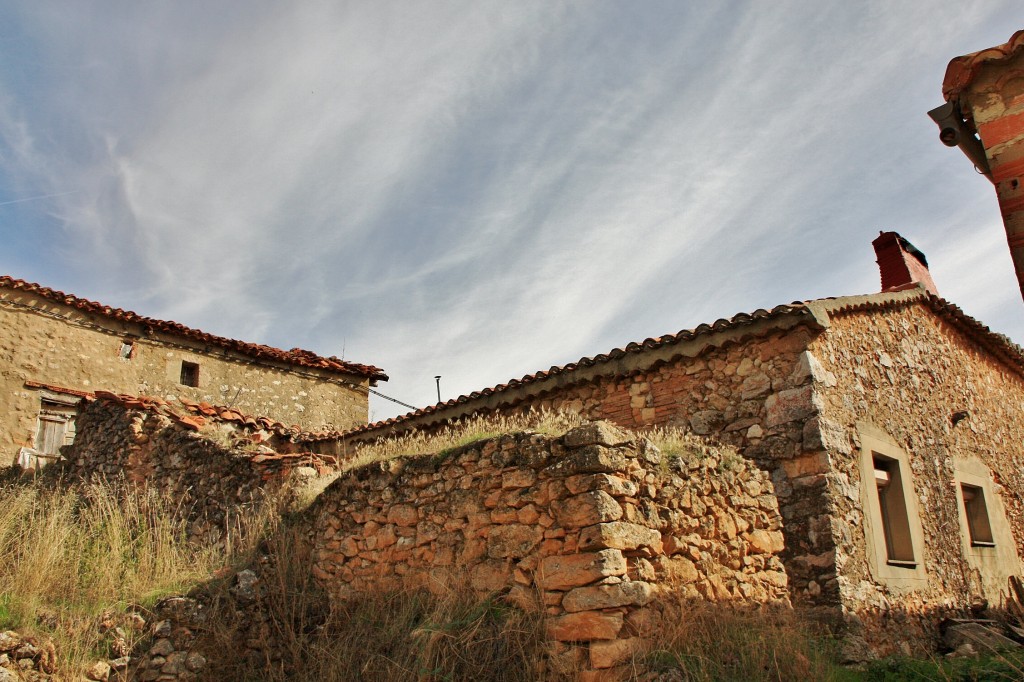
985,90
901,264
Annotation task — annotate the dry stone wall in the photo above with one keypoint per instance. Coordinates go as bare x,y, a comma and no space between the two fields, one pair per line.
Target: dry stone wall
210,479
907,372
587,529
754,393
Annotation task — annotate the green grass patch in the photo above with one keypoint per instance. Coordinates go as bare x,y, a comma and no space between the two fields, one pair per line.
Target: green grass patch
1001,666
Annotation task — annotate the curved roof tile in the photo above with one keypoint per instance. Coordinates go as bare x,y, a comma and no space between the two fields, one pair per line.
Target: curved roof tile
295,356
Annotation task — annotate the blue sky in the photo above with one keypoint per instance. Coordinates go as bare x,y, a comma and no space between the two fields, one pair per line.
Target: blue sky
484,189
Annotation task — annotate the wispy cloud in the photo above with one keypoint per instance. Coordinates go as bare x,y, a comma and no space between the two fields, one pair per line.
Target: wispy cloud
480,190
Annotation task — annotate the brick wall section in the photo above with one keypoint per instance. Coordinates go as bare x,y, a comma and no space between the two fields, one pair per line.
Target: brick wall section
38,347
995,101
210,480
900,268
907,372
594,524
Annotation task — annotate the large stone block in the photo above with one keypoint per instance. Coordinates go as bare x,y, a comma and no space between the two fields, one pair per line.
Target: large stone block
609,653
597,433
585,626
591,459
594,597
766,542
403,515
706,421
613,485
490,576
574,570
619,535
587,509
822,434
515,541
791,405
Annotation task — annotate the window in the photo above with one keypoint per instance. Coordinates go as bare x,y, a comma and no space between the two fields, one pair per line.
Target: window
189,374
893,534
978,526
127,351
899,548
985,534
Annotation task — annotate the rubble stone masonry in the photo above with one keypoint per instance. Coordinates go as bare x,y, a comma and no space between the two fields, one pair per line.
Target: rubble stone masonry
62,346
906,375
209,480
755,393
587,529
897,388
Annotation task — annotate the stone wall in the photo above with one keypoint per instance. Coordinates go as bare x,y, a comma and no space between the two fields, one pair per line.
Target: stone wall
755,393
206,472
587,528
906,372
66,347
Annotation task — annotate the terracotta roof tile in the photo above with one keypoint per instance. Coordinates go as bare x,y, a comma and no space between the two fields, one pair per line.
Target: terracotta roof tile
199,413
60,389
962,70
295,356
195,421
1010,353
228,414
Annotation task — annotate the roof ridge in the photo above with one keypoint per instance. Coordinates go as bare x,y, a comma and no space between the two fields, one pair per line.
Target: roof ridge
296,356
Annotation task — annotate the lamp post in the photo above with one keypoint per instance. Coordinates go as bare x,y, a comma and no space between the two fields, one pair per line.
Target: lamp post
438,380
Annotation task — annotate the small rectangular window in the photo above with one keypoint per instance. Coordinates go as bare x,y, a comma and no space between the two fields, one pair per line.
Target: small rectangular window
127,349
978,525
189,374
899,548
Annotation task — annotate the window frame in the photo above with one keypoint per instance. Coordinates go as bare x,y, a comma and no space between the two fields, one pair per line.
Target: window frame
189,370
904,569
993,561
55,427
976,516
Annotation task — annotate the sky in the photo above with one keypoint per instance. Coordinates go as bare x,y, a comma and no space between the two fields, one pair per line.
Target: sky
481,190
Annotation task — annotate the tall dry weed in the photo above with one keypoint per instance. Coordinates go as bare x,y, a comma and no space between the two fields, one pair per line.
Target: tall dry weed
705,642
445,633
70,553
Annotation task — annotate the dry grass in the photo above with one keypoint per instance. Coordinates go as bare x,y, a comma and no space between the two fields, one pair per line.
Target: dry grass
442,634
460,433
675,442
671,441
705,642
70,554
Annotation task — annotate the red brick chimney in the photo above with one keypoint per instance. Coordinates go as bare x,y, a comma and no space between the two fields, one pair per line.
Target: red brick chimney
901,263
984,92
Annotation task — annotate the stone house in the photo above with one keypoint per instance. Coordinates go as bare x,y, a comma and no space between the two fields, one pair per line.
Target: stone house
56,348
890,425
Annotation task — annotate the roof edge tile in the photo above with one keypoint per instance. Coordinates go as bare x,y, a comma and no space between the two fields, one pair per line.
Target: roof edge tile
961,71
